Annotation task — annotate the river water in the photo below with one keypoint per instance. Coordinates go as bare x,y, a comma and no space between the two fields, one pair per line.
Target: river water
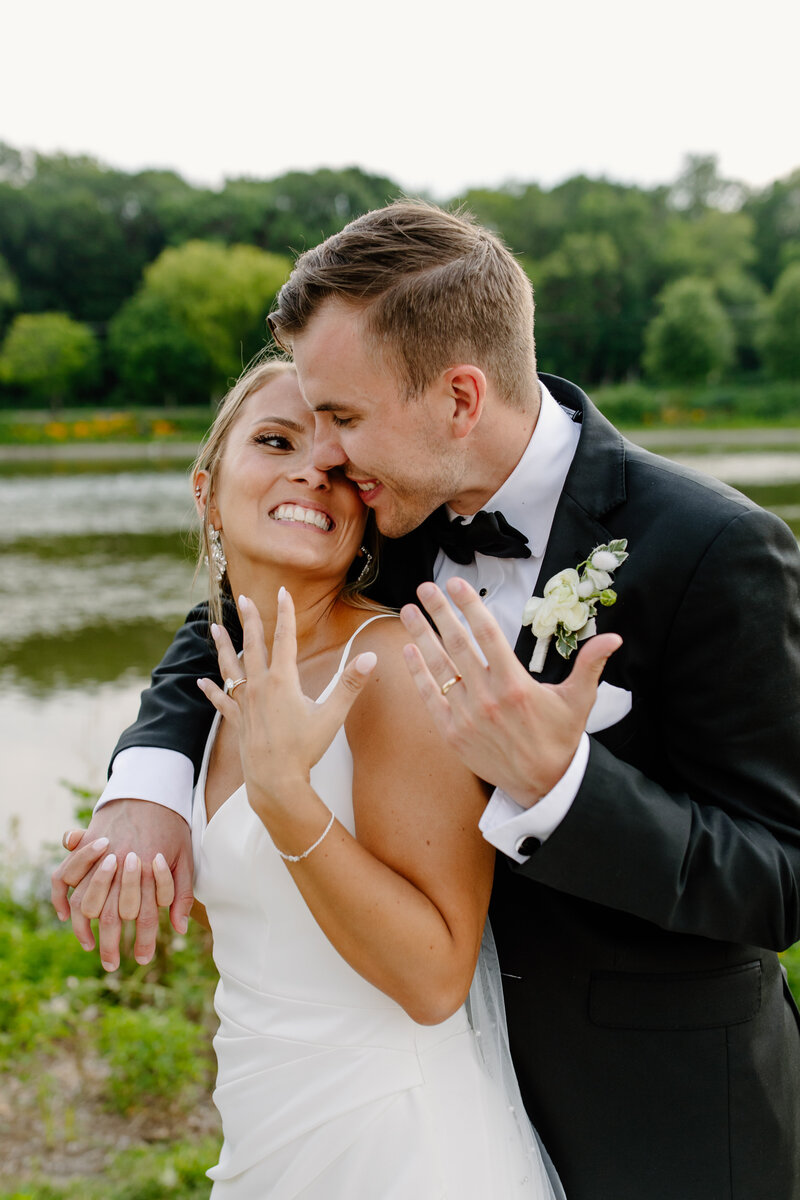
97,574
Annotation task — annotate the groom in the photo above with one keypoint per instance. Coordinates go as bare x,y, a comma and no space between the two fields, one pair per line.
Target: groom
648,870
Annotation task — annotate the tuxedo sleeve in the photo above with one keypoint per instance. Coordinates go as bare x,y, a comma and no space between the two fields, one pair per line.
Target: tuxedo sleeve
694,823
173,713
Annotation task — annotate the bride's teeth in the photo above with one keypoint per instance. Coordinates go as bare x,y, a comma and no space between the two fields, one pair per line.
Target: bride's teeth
303,516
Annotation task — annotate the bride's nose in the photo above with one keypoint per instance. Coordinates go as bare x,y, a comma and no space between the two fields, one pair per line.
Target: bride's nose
312,476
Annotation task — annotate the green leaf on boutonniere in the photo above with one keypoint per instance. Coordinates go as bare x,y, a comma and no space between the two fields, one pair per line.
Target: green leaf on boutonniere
566,643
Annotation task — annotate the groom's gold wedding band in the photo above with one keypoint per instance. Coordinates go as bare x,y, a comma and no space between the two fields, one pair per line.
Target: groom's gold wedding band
448,683
232,684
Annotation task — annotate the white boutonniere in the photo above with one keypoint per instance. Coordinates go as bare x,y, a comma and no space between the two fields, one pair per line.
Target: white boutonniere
567,609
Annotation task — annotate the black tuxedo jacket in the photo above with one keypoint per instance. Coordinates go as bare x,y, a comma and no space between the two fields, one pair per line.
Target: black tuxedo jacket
656,1042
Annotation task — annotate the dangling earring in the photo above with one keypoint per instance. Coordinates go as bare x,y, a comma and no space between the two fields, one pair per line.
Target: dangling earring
365,569
217,554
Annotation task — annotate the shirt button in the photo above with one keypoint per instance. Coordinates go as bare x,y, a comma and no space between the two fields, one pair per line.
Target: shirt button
482,592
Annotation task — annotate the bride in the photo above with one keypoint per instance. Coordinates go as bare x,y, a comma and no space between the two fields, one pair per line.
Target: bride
337,856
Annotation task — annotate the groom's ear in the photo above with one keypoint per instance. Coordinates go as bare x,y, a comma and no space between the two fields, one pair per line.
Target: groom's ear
465,386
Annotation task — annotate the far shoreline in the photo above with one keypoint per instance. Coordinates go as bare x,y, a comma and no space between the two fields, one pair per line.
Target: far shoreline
674,437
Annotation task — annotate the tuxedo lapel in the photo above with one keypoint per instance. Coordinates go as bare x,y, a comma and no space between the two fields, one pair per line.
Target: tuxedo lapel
594,487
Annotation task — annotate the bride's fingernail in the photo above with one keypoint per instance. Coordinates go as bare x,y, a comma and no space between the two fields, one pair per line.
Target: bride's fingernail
100,844
281,592
131,861
160,862
365,662
243,602
109,862
215,631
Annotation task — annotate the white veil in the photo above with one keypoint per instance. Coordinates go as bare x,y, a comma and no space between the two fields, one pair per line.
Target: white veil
487,1016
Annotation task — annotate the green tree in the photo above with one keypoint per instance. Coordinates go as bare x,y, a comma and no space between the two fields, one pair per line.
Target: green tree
76,234
577,291
155,358
691,339
780,339
48,355
700,187
9,291
197,319
776,215
713,245
742,297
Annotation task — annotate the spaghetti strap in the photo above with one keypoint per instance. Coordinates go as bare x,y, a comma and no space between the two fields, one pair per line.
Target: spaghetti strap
348,647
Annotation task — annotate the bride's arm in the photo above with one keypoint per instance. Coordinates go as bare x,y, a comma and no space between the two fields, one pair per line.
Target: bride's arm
405,901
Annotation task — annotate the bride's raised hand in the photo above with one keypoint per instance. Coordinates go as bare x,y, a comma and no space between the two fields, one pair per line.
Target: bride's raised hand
282,733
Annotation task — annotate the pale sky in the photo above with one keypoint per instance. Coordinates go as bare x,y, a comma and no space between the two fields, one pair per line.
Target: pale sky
436,95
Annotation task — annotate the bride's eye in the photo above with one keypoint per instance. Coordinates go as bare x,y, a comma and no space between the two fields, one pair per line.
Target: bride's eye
276,440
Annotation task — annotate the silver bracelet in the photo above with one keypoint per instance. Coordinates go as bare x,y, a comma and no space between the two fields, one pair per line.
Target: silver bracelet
305,854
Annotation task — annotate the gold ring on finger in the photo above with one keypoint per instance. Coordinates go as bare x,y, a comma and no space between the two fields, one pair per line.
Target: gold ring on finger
232,684
448,683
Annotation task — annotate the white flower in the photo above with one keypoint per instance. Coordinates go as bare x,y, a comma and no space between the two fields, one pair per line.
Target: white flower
603,560
560,605
600,580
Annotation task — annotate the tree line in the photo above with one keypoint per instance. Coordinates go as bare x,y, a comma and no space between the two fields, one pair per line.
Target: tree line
144,288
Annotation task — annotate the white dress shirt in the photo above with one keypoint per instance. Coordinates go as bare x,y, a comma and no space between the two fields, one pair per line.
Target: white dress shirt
528,500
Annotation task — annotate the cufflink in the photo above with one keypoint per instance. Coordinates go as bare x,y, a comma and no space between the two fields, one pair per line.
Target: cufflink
528,845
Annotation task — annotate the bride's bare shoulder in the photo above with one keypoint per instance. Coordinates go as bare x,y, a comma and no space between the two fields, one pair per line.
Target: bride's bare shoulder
390,682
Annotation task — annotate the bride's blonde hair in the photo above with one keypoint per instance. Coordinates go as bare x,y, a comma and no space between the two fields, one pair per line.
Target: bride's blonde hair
209,458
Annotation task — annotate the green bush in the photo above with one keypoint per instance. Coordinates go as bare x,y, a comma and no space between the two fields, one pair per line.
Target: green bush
724,404
176,1172
154,1056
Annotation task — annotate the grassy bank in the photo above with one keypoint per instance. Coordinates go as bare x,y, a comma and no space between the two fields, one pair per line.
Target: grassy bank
628,405
105,1080
633,405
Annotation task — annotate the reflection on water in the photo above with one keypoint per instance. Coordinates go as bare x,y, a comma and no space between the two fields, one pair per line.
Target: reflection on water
97,574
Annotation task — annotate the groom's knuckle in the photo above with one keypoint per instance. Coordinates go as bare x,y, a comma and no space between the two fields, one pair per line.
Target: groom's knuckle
514,694
109,918
459,641
147,922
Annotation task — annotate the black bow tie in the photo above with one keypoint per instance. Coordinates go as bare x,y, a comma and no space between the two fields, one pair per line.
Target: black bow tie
487,533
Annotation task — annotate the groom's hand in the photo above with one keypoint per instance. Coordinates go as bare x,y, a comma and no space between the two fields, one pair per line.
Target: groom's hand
116,882
516,733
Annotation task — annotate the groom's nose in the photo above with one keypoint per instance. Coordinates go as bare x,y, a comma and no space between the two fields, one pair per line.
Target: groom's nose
327,452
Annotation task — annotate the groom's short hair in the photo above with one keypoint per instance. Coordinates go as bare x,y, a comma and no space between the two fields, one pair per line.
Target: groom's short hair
435,289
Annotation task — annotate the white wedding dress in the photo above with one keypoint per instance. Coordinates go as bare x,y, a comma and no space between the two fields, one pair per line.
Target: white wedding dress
326,1087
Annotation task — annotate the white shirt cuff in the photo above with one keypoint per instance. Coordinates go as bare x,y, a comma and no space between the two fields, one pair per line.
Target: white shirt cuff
506,824
152,773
